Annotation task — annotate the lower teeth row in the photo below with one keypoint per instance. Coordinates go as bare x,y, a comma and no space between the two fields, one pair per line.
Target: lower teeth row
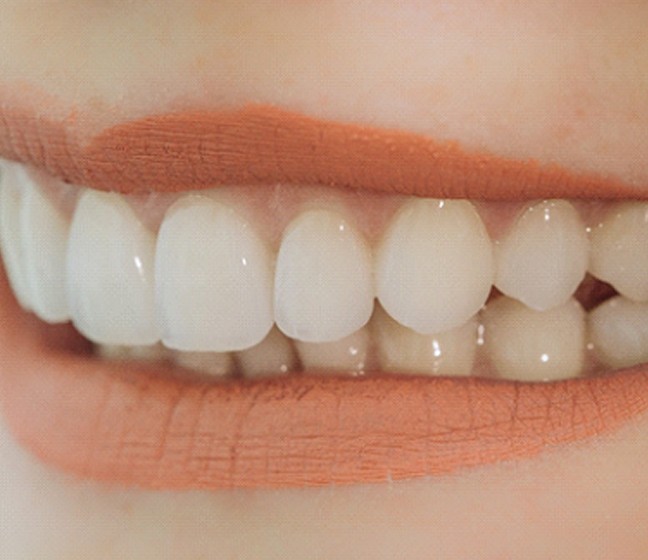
505,340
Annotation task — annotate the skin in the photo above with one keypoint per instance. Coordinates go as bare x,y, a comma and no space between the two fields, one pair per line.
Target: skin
560,82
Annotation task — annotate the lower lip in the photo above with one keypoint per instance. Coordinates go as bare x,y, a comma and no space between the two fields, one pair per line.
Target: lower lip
129,425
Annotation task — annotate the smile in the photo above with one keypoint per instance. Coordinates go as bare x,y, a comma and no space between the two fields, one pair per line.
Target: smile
300,334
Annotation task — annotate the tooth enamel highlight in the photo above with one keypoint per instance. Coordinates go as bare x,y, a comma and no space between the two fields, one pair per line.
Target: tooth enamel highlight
10,231
349,355
274,355
619,253
434,265
213,278
401,349
44,233
216,364
618,329
530,345
323,284
110,272
544,257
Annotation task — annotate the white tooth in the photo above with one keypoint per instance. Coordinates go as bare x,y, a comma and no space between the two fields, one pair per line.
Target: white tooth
152,353
11,195
348,355
216,364
213,278
434,265
618,329
274,355
44,237
544,257
531,345
323,284
110,272
619,253
402,350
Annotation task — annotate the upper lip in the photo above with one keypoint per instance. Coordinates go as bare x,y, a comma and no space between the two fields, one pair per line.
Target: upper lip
259,144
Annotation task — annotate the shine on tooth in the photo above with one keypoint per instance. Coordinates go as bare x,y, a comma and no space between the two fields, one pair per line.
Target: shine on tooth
400,349
544,257
213,278
323,284
274,355
44,237
110,272
350,354
434,265
618,329
619,249
529,345
11,199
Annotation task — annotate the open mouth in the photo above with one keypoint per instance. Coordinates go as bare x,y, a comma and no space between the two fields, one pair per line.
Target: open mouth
299,334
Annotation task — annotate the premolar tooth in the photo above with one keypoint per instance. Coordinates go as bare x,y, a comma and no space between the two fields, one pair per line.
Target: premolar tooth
11,201
619,253
618,329
544,257
401,349
531,345
323,284
110,272
213,278
274,355
348,355
434,265
44,237
216,364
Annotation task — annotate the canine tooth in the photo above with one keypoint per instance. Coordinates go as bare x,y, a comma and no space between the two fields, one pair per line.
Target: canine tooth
110,272
274,355
323,284
530,345
11,196
349,355
618,329
544,257
434,265
217,364
401,349
44,237
213,278
619,253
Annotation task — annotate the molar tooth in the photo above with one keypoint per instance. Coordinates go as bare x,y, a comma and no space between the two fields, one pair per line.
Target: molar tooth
11,201
618,329
403,350
216,364
619,253
323,284
530,345
213,278
110,272
274,355
351,354
434,265
544,257
44,236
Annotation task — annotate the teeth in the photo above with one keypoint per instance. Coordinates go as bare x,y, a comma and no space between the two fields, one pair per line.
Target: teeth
152,353
216,364
350,354
323,285
110,272
620,250
44,237
531,345
543,259
213,278
12,177
274,355
402,350
618,329
434,266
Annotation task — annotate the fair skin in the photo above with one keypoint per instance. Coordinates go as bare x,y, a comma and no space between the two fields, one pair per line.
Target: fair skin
560,82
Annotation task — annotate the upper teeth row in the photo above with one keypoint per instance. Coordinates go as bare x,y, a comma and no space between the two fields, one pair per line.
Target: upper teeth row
208,281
